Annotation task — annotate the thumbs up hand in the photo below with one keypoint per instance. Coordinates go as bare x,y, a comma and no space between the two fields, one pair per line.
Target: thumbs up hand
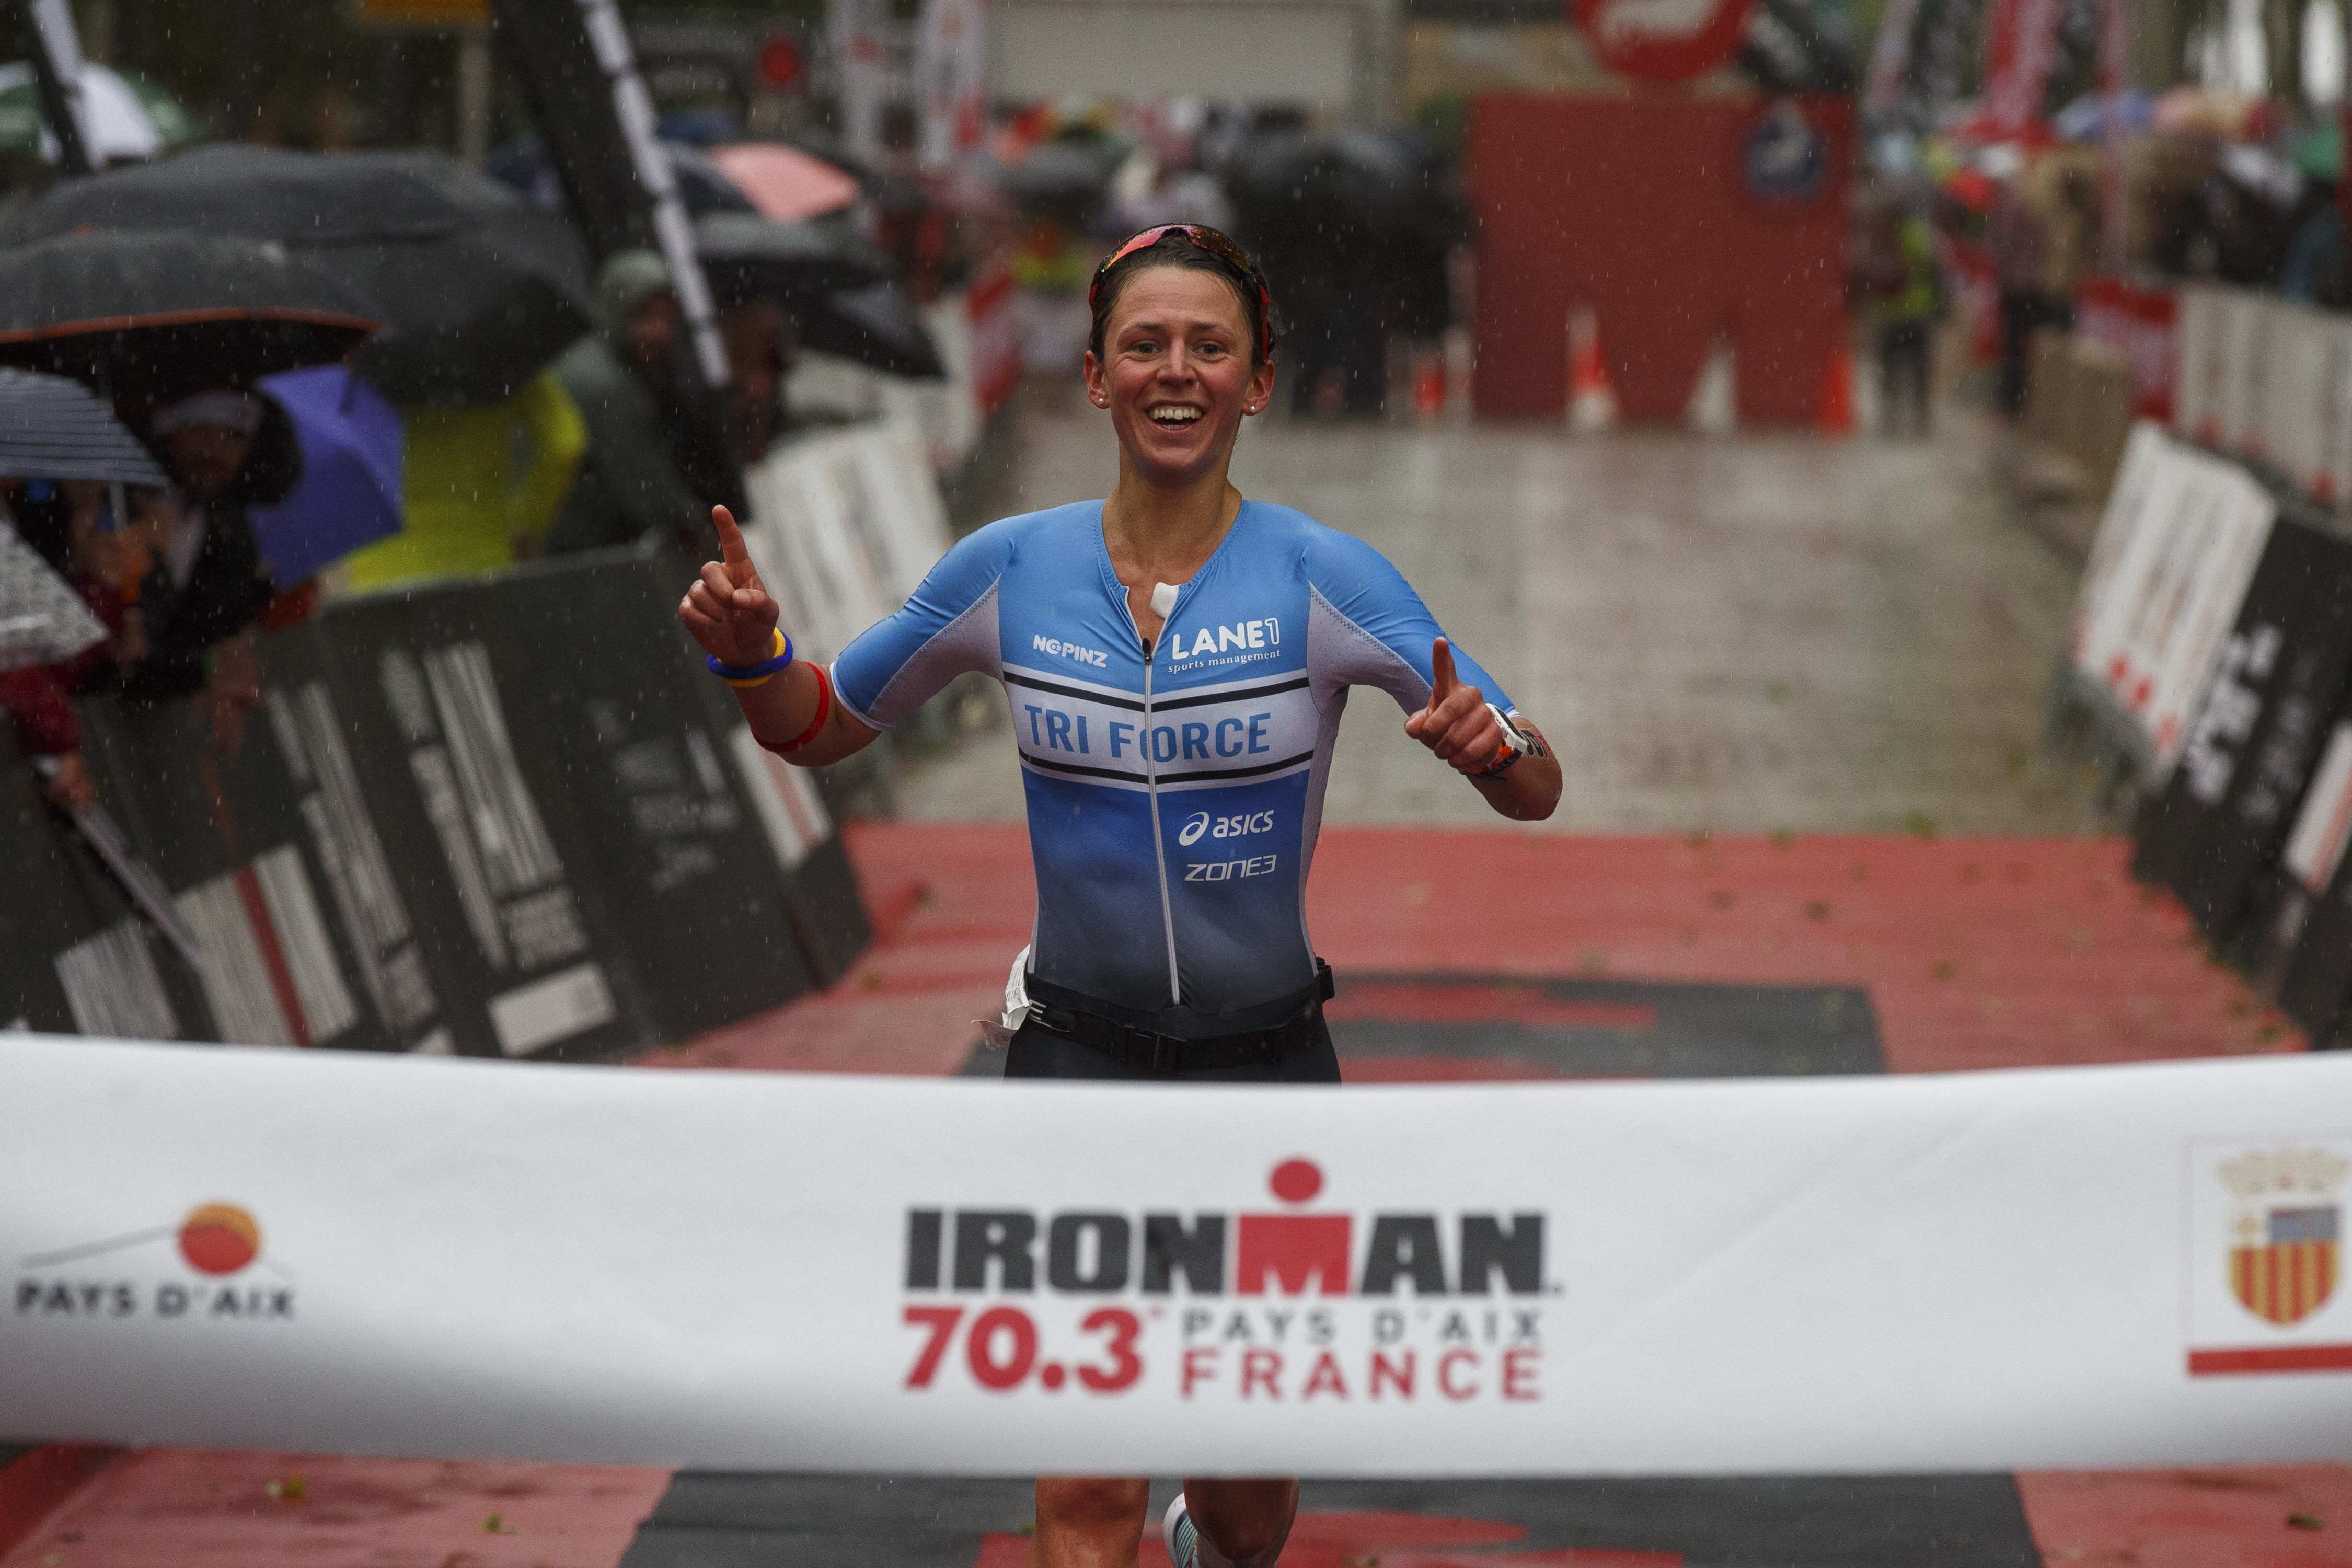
1455,722
728,610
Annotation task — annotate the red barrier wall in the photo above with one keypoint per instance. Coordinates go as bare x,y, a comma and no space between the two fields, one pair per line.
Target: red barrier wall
1640,208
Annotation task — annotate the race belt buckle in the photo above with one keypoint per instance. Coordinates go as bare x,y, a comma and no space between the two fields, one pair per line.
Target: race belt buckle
1165,1052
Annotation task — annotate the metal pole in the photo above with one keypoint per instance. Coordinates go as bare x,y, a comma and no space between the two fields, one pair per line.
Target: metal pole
2114,75
474,95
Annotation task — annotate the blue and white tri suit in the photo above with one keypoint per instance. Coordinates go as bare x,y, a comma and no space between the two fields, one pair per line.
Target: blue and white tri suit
1173,800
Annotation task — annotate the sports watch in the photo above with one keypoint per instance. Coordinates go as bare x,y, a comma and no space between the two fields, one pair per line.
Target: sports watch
1516,744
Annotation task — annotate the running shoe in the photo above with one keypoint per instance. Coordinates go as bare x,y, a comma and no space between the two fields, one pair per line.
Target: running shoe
1182,1535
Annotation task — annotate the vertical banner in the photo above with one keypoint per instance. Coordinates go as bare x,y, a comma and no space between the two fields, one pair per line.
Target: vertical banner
2114,75
951,81
2245,322
1890,61
581,75
2196,387
857,32
2298,401
2020,40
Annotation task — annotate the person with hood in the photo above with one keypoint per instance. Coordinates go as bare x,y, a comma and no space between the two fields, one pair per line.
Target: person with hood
655,462
226,451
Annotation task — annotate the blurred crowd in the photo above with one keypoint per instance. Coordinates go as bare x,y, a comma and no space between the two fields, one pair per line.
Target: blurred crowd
514,404
1362,232
2004,231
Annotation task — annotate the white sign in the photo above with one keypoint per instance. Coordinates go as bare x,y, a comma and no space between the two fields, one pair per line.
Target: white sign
2168,571
843,527
2197,388
950,81
356,1253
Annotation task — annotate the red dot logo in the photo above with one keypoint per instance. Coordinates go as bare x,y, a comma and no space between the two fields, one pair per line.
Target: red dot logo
219,1238
1295,1180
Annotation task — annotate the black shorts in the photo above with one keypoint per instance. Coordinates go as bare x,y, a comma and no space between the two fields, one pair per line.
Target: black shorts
1038,1053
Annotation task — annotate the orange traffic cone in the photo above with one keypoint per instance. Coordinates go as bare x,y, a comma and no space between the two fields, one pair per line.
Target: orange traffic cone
1429,385
1837,394
1591,398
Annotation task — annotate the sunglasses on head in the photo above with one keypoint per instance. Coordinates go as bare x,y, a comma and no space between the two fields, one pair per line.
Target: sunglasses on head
1201,237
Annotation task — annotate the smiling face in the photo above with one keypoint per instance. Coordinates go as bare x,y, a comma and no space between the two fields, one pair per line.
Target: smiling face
1175,373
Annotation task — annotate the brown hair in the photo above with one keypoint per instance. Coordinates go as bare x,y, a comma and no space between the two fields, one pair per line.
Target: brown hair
1172,249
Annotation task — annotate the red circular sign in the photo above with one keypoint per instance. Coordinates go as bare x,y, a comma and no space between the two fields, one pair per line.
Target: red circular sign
779,61
1663,40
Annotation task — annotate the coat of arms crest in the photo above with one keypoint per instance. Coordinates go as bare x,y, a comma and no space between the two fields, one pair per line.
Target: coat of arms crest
2285,1229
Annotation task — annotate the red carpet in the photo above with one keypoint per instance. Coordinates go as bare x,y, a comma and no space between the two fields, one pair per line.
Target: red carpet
1976,953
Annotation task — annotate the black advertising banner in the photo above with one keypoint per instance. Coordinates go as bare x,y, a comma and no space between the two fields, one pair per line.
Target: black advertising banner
2301,947
217,812
74,957
2214,834
668,828
320,757
434,679
506,817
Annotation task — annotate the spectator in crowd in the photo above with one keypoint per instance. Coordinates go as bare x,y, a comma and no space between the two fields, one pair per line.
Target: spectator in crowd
1907,298
761,345
481,486
67,524
2019,239
651,465
226,451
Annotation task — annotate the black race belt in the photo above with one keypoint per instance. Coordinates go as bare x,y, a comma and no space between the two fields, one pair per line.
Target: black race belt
1138,1047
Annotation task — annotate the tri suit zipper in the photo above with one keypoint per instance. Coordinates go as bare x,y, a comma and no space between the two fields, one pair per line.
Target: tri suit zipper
1152,788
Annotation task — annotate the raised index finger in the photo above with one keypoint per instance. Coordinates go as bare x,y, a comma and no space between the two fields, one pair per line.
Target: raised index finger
1441,663
731,546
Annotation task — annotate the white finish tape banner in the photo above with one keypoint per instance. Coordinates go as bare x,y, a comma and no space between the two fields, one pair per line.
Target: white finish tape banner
2080,1267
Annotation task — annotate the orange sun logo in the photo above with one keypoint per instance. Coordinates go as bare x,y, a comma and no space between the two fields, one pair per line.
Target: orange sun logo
219,1238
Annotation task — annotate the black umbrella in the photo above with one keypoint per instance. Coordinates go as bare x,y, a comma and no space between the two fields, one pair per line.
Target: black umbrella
875,326
1067,180
750,258
1383,183
477,288
152,317
1381,179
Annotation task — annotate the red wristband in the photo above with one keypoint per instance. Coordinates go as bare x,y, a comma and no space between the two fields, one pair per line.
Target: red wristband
823,706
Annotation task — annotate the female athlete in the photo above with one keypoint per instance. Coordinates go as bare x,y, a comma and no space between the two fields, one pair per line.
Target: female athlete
1175,658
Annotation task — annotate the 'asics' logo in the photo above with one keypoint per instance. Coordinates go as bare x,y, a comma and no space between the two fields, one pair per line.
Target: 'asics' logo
1203,825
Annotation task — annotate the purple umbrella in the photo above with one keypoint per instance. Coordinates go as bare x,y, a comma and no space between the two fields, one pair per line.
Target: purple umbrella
350,491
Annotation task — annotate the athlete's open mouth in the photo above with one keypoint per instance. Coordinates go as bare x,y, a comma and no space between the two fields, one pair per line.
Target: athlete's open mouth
1174,415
